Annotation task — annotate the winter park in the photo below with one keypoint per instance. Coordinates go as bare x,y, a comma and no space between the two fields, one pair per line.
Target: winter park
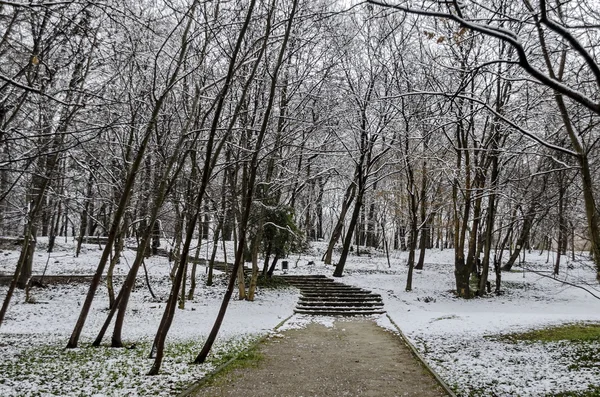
300,198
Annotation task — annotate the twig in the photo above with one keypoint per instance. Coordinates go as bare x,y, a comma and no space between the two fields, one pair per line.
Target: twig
564,282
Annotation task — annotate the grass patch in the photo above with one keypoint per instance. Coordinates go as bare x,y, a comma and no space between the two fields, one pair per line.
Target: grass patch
448,317
518,285
271,282
247,359
592,391
582,341
569,332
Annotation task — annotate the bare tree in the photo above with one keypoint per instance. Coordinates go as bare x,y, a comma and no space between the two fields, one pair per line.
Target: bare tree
577,87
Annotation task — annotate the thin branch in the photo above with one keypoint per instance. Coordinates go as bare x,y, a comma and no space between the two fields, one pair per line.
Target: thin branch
562,281
34,90
509,37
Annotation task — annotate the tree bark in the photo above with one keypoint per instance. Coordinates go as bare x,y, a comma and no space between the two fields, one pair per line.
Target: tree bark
339,226
249,194
123,202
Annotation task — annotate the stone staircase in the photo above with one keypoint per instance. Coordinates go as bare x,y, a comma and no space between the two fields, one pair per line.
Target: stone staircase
323,296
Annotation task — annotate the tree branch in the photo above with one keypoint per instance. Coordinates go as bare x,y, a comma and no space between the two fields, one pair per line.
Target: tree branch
27,88
509,37
564,33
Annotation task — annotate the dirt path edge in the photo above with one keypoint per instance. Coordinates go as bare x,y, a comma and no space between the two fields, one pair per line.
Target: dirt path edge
419,357
197,385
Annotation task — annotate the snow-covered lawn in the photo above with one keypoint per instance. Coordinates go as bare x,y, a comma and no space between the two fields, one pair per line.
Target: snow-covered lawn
459,338
34,362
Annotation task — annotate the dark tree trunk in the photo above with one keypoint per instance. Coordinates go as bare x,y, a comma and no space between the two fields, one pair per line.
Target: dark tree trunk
402,237
319,207
339,268
250,192
272,267
561,224
337,231
422,248
523,237
205,225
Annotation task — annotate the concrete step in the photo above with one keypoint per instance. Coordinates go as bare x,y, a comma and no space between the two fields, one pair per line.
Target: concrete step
309,282
330,284
339,298
340,304
322,296
339,308
340,294
332,289
293,277
338,312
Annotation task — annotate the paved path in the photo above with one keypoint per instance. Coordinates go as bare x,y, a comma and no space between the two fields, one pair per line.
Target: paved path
353,358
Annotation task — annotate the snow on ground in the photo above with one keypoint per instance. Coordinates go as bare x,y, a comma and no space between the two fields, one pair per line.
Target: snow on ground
33,336
459,338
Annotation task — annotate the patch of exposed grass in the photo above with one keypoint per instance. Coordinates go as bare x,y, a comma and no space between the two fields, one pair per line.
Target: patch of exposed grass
579,332
584,352
448,317
249,358
592,391
246,359
518,285
272,282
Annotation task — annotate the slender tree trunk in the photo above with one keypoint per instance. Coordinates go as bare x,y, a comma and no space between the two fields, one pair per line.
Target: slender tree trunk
113,262
127,189
423,205
413,239
337,230
254,276
462,272
561,224
167,318
491,216
195,262
339,268
523,236
273,265
249,195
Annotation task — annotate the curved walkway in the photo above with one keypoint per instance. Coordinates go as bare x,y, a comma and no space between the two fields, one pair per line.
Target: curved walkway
355,357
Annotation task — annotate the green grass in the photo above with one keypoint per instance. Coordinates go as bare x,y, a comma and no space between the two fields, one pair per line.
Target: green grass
569,332
593,391
246,359
249,358
271,282
578,342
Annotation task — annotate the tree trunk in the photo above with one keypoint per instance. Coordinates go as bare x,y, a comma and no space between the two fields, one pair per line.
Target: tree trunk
339,268
127,190
414,230
254,276
523,236
337,230
491,216
561,223
272,267
423,204
249,194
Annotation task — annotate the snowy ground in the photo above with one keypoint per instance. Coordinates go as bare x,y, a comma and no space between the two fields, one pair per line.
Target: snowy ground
32,338
459,338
